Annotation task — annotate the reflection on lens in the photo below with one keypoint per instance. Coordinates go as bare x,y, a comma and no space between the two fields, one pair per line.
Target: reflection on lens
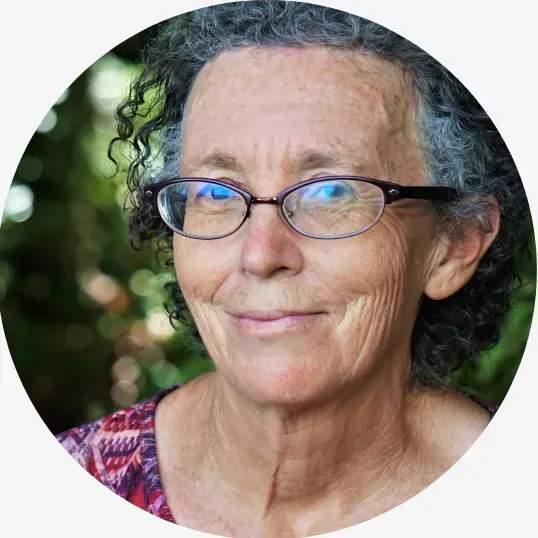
201,209
334,207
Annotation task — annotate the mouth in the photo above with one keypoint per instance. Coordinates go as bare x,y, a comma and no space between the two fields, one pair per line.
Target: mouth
273,322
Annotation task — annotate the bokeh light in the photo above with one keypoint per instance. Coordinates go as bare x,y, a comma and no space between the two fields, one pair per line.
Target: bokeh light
142,283
19,203
48,122
126,369
108,82
30,168
159,325
124,393
63,97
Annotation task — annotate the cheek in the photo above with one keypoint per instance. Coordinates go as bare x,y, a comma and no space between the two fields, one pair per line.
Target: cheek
363,265
376,283
201,268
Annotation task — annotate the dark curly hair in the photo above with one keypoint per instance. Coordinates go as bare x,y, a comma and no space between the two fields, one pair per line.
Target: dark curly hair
462,147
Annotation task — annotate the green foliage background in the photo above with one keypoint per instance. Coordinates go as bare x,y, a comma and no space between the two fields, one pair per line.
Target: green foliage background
82,310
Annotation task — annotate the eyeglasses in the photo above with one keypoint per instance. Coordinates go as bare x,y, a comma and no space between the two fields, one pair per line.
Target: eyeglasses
330,207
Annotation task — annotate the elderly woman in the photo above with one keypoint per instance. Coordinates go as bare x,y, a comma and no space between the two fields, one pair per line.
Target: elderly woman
344,220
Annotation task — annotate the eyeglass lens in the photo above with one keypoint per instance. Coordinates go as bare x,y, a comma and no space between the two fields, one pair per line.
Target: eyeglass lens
327,208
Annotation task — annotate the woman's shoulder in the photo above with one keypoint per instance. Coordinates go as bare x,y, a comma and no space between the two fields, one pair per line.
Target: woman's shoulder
450,422
114,449
490,408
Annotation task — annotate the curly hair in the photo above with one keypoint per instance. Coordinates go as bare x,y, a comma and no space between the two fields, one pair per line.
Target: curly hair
461,145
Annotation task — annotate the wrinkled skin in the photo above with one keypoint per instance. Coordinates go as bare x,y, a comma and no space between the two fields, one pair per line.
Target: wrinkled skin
310,416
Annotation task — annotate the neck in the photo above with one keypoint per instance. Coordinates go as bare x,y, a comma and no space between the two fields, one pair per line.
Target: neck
343,448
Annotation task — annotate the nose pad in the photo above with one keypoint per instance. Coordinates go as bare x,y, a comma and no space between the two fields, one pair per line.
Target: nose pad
285,212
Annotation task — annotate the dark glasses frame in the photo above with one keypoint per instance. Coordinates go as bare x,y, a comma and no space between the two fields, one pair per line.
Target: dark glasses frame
392,192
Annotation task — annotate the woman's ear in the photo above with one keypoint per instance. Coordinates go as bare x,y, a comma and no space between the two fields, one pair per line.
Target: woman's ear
455,259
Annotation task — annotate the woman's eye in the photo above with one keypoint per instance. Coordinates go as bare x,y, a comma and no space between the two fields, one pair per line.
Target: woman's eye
215,192
328,192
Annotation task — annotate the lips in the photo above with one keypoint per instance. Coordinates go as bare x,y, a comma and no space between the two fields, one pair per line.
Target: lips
260,323
270,315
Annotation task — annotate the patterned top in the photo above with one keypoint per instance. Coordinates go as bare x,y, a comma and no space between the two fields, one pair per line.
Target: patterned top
119,450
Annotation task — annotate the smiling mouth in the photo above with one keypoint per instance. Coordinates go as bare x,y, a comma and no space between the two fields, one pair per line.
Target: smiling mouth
267,323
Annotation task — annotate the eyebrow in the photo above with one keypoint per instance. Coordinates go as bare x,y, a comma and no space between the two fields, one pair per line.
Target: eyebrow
309,160
219,159
314,159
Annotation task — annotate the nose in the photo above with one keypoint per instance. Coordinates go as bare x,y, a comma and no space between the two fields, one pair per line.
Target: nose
270,247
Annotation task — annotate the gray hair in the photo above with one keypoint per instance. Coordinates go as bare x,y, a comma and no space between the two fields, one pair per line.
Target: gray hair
461,145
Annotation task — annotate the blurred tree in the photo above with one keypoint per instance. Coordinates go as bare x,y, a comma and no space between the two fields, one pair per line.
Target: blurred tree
82,311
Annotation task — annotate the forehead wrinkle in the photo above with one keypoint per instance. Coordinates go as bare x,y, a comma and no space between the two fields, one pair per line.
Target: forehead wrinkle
336,156
386,110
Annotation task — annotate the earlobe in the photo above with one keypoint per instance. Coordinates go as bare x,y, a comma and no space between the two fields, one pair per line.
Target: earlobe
455,258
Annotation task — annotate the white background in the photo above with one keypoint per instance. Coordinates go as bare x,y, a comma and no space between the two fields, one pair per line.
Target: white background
492,490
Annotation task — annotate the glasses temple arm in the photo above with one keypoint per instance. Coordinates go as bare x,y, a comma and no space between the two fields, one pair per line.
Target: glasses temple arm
436,194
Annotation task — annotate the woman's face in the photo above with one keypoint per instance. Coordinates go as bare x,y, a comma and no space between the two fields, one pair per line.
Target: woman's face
287,318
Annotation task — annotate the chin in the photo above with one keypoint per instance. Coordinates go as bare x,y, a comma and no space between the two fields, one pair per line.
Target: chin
270,381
